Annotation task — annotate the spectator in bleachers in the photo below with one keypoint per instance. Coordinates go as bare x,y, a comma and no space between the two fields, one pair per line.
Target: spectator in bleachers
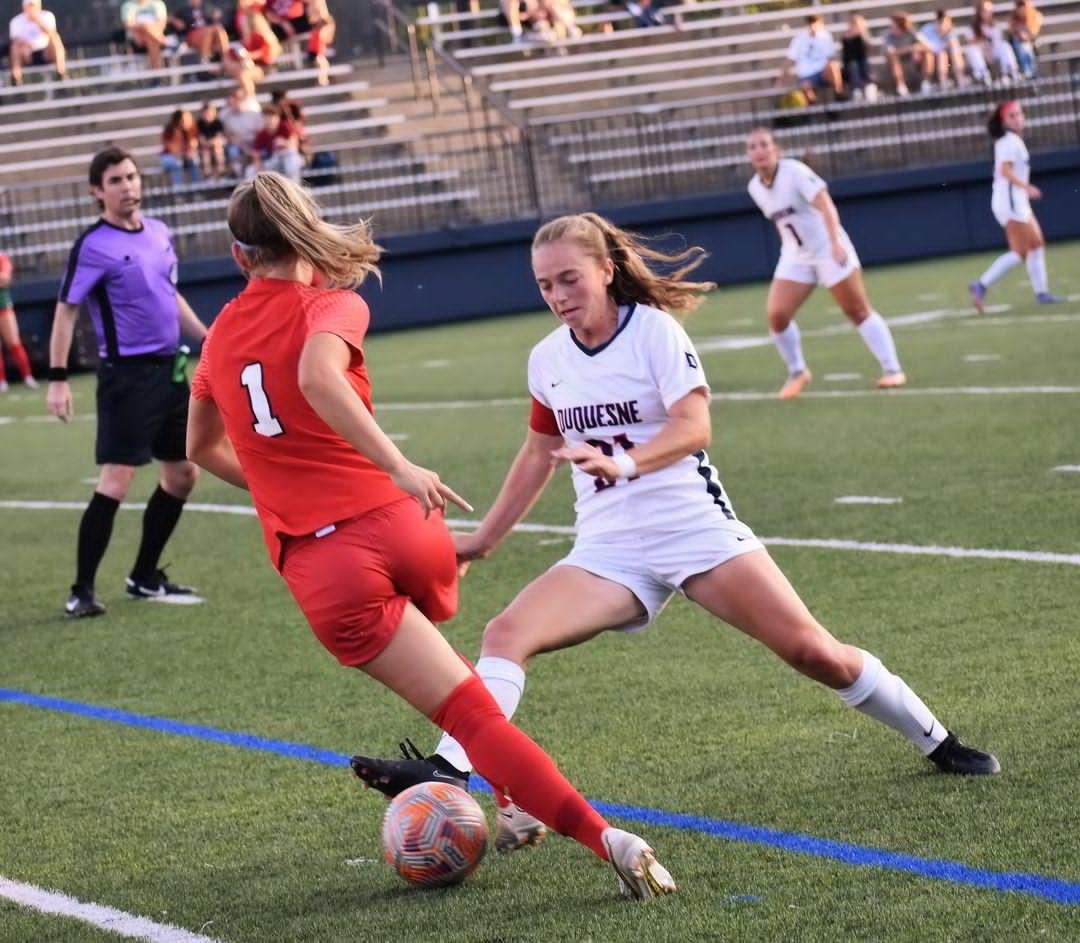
277,146
239,65
907,53
255,33
323,30
180,147
812,55
1025,24
855,58
202,30
292,111
943,41
242,118
211,141
644,12
34,41
987,44
561,18
145,22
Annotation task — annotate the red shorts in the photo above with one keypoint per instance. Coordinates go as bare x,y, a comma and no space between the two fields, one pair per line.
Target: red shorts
353,584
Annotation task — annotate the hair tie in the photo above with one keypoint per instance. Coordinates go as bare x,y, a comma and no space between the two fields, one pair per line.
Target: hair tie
245,246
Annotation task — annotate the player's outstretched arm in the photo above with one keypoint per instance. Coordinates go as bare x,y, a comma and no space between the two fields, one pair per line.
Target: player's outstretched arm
323,383
526,480
190,325
209,447
58,398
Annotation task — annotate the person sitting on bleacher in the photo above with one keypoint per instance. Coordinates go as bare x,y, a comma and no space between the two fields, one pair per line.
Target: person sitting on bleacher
243,119
277,146
943,41
1025,23
907,51
986,44
256,35
812,54
145,22
323,29
645,12
211,141
180,147
34,41
201,29
855,52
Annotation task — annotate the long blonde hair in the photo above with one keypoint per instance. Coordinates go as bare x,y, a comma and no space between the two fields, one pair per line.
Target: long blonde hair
635,280
272,218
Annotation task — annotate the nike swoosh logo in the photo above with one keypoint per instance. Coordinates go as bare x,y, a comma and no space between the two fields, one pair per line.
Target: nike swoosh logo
449,779
556,383
740,539
927,733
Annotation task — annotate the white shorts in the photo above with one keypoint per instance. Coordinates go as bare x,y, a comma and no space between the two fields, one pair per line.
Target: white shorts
653,565
1011,206
820,270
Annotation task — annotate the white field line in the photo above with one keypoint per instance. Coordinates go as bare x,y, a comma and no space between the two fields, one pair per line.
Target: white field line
842,377
866,499
981,358
1023,319
1025,556
1067,468
97,915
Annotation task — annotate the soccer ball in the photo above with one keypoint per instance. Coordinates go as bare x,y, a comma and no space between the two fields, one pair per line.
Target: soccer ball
434,834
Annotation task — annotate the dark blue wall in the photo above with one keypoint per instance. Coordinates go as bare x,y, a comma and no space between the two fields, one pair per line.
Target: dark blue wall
483,271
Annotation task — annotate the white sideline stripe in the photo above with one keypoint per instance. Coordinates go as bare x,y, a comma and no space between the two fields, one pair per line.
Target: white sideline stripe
981,358
1023,319
1067,468
842,377
1025,556
867,499
105,918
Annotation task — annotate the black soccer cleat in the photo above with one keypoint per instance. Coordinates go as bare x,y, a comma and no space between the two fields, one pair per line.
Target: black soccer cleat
952,756
155,587
393,776
82,604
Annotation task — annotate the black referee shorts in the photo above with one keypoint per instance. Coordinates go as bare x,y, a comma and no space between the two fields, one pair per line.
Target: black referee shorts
141,413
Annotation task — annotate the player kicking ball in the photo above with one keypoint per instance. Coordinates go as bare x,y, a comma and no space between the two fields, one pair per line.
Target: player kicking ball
814,250
618,391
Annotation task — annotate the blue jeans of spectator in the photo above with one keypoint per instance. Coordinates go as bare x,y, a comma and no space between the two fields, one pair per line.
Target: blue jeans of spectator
175,166
856,73
1025,57
287,162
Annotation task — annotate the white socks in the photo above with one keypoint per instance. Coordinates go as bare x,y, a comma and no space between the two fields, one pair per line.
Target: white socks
505,680
877,336
1036,266
789,343
885,697
999,267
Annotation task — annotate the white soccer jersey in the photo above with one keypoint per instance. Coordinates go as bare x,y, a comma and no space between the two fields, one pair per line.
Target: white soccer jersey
1010,148
787,201
615,397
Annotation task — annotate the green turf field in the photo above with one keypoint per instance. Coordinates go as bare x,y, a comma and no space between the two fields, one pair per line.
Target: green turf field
689,717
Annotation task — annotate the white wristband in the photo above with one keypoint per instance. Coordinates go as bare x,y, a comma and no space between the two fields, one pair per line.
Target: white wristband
627,465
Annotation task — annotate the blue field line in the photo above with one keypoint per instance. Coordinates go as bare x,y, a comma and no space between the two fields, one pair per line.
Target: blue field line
1035,885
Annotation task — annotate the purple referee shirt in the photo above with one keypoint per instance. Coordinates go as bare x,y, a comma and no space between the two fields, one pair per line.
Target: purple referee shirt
128,280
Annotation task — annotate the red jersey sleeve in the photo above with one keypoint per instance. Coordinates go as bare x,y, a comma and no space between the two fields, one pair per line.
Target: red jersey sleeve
200,383
343,313
542,419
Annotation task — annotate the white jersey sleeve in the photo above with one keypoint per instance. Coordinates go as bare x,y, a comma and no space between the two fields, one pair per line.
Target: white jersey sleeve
673,361
807,183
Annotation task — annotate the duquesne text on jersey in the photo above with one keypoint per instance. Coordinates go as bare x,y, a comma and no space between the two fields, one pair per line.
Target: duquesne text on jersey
581,418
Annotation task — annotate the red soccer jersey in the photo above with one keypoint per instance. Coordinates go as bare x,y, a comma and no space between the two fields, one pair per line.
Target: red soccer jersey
301,473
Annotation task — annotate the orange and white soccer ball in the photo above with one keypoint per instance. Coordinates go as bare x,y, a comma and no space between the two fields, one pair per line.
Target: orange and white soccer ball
434,834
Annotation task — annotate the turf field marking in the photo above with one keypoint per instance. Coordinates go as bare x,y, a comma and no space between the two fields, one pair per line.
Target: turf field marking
842,377
435,364
927,550
981,358
1023,319
1067,468
1036,885
98,915
866,499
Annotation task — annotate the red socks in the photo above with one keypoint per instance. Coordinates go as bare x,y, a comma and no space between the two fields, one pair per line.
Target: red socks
18,354
513,763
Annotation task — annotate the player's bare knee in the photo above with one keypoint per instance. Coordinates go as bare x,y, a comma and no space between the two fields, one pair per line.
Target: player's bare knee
115,480
778,321
820,657
179,480
504,638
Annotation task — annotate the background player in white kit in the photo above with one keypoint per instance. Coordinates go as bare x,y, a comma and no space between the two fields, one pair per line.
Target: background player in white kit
814,250
1011,206
618,391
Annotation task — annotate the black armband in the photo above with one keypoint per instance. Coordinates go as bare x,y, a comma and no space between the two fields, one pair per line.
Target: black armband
58,374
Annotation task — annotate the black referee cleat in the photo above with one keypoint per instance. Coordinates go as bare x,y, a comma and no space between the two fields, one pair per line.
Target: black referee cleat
82,604
951,756
393,776
157,586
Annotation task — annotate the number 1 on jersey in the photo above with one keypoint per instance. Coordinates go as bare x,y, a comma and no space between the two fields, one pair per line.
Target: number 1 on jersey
251,378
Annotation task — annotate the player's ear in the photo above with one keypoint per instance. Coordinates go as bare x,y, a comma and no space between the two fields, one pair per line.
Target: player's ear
609,270
240,258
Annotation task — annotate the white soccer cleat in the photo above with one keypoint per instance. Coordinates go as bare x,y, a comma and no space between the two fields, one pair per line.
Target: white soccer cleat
515,828
640,875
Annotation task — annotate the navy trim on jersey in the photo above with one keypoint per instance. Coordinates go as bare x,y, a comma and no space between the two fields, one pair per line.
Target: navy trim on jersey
593,351
108,321
712,484
73,261
1012,206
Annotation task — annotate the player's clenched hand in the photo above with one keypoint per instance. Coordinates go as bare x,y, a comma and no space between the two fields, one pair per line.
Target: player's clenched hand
1033,192
469,547
426,486
590,460
58,401
839,254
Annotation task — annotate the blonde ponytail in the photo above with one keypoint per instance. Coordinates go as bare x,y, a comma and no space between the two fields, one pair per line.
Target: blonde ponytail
271,217
635,280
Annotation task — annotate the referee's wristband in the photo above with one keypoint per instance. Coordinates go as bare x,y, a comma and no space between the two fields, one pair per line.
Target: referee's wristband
58,374
626,464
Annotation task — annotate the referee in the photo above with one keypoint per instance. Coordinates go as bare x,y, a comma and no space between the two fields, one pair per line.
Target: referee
124,268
